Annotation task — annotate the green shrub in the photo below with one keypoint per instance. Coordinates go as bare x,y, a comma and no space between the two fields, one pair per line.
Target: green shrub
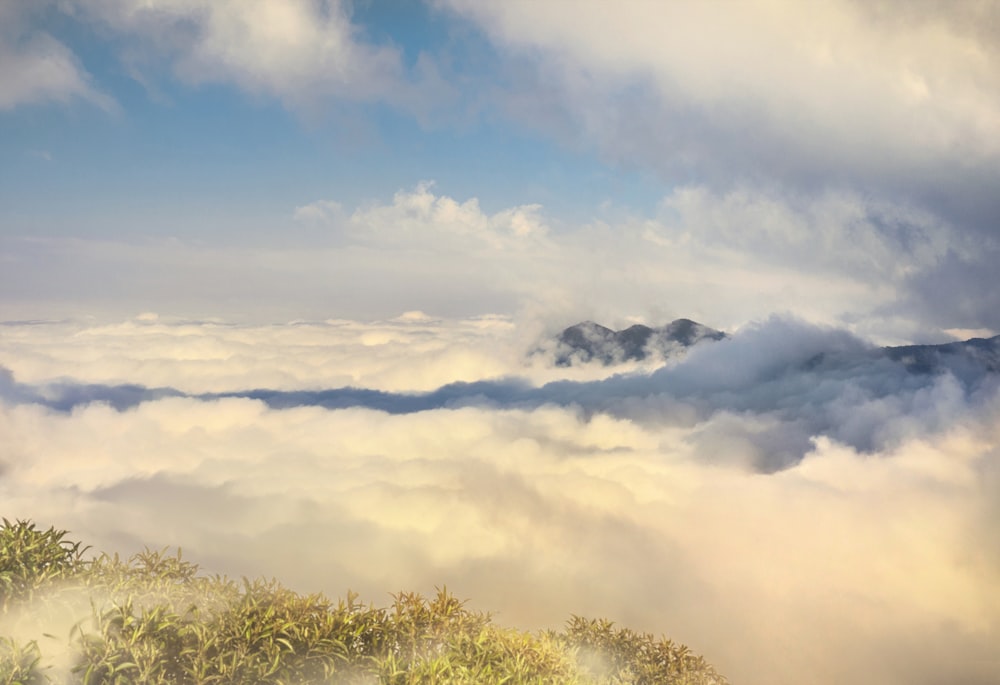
31,558
619,655
154,619
20,664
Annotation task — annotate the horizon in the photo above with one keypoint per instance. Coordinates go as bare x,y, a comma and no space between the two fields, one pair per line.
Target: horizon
273,272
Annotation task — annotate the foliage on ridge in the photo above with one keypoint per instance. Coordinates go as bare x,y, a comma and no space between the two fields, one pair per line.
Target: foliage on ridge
153,618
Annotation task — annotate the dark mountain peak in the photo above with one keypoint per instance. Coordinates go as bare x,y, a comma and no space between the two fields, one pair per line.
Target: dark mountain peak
634,340
688,332
588,341
585,335
588,329
635,329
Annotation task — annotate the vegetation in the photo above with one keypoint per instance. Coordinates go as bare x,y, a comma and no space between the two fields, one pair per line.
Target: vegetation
153,618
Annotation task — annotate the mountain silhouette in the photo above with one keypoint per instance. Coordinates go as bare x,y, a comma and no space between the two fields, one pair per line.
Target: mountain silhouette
588,342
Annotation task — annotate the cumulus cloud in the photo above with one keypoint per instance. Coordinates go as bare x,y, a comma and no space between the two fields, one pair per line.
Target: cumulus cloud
720,257
420,218
832,81
894,102
874,564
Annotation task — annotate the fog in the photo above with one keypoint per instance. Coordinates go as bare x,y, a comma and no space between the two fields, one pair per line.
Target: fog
825,522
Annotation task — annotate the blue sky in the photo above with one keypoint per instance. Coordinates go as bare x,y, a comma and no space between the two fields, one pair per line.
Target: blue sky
239,155
682,159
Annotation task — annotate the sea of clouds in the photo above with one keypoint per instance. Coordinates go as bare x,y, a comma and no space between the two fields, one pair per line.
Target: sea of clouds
794,517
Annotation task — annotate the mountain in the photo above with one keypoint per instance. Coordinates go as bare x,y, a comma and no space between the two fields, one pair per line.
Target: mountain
588,341
979,353
966,359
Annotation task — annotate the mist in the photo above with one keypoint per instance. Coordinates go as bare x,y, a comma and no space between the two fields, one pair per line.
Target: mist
787,502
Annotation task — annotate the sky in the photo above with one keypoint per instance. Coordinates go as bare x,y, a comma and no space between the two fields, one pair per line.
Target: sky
313,159
279,280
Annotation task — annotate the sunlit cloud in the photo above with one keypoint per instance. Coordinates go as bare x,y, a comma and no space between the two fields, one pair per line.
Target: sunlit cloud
845,84
721,258
645,507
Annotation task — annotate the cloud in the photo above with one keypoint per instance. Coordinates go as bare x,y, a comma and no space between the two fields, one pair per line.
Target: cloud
848,565
957,289
419,218
839,164
406,354
911,82
771,388
320,211
890,100
723,258
36,68
305,53
840,233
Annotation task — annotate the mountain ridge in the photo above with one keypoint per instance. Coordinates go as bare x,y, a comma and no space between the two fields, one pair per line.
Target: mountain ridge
588,341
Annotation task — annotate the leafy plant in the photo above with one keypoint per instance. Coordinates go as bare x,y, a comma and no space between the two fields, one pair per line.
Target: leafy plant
619,655
31,558
154,619
20,664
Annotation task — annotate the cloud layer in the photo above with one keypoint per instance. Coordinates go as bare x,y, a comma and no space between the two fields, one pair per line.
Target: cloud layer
720,257
637,500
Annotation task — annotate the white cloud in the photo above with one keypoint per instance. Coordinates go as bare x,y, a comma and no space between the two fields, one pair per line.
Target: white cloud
841,233
420,218
321,211
35,68
302,52
799,71
891,99
846,567
723,258
408,354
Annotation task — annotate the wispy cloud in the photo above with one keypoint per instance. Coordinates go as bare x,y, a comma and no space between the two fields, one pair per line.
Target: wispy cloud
36,68
306,54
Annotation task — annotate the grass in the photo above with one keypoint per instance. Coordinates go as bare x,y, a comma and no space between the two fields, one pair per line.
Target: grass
154,618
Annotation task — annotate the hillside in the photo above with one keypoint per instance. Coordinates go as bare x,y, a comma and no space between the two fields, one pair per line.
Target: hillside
153,618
